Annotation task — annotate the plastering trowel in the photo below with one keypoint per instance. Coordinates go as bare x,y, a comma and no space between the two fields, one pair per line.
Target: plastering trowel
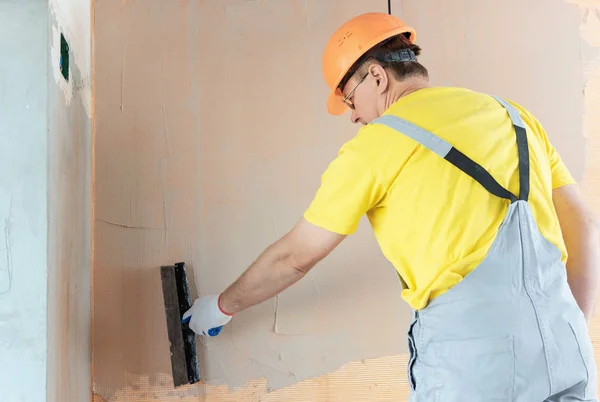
182,340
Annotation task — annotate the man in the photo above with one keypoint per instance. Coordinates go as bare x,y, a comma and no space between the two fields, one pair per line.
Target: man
475,209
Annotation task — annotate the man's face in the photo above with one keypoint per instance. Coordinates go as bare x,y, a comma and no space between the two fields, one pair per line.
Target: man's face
361,96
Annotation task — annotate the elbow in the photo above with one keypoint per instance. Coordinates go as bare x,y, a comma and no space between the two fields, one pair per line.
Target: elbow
581,227
290,262
296,260
301,267
593,223
302,262
590,226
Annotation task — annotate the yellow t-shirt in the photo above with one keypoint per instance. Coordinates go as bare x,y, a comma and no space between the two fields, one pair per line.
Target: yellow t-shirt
433,222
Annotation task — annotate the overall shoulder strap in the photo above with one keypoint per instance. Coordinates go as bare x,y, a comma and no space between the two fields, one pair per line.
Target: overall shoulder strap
463,162
522,148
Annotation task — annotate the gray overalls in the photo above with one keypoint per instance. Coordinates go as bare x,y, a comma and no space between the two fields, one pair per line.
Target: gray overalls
511,330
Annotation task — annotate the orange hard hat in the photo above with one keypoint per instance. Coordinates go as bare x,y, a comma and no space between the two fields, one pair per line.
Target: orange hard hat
352,40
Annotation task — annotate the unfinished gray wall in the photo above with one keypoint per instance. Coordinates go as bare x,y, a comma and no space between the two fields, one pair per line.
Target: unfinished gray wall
23,189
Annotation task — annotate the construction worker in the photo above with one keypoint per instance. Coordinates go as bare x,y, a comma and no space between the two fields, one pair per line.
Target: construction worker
475,209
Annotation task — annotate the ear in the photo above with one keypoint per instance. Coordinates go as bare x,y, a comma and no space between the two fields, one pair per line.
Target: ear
381,77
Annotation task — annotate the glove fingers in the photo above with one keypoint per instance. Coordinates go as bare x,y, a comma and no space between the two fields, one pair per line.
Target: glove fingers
215,331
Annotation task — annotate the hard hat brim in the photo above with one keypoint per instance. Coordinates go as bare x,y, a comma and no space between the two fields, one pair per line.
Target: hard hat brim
335,106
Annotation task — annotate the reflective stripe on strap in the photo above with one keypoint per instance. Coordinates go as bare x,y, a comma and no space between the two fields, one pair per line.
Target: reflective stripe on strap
422,136
463,162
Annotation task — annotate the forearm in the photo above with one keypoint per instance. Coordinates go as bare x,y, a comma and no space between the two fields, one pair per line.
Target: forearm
583,268
270,274
580,230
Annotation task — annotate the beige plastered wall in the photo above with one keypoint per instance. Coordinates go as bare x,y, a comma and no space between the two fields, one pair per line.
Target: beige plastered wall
69,204
210,137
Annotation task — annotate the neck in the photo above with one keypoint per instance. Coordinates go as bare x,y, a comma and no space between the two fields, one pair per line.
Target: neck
398,89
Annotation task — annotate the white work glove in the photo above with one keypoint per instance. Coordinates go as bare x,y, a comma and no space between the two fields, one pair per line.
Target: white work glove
206,317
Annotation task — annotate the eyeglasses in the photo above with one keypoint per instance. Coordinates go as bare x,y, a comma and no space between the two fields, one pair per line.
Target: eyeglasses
350,104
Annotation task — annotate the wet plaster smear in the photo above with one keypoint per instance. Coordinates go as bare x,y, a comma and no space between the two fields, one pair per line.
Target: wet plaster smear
211,134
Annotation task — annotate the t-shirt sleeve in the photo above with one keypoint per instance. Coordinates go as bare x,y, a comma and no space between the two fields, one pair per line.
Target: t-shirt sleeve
561,176
349,188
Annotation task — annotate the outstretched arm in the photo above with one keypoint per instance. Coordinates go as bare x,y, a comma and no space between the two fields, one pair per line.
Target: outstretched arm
580,232
354,182
279,266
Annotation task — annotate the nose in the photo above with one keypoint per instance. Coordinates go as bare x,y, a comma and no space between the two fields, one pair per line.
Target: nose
354,117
